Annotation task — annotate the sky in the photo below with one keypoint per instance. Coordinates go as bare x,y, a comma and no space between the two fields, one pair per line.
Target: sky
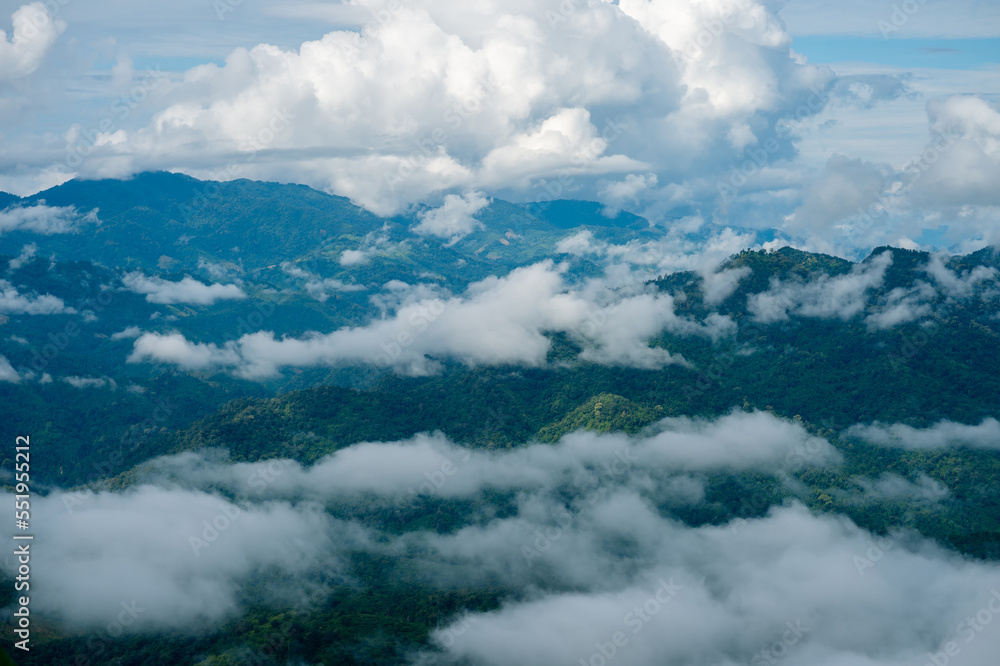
845,125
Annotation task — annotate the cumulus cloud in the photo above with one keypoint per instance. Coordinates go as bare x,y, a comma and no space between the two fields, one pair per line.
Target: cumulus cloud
961,163
944,434
35,31
188,290
455,97
619,193
455,219
579,244
845,187
496,321
843,296
45,220
13,302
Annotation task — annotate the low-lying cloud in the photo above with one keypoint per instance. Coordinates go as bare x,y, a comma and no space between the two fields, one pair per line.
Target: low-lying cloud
496,321
13,302
599,569
941,435
45,220
843,296
188,290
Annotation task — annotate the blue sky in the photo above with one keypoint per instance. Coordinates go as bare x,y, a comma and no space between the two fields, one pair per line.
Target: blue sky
916,52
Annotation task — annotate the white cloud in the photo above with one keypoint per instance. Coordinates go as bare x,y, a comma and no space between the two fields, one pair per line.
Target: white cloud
674,448
896,488
45,220
35,31
7,372
580,244
845,187
961,163
788,585
455,97
27,254
589,538
454,219
136,546
13,302
497,321
353,258
175,348
317,287
902,305
843,296
188,290
615,195
958,286
943,434
91,382
219,271
718,286
127,333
